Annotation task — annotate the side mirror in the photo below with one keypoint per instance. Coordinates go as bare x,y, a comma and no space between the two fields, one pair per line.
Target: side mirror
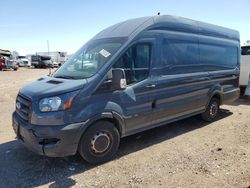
119,79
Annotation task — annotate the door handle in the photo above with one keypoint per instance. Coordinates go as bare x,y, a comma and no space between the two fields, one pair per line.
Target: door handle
204,79
151,86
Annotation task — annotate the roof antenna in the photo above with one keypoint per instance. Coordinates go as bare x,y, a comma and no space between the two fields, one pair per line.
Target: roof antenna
158,13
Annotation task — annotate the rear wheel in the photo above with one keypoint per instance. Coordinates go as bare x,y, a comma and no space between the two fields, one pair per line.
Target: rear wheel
212,110
100,142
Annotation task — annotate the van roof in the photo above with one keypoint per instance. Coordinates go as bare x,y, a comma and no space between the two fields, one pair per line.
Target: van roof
131,28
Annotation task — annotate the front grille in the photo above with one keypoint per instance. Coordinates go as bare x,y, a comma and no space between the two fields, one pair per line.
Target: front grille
8,63
23,107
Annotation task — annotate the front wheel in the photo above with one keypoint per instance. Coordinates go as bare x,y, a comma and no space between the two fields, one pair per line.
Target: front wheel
100,142
212,110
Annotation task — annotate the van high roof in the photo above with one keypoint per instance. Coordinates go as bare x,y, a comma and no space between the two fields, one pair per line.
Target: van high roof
131,28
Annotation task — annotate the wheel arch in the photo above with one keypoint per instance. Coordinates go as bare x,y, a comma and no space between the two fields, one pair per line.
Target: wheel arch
215,94
112,117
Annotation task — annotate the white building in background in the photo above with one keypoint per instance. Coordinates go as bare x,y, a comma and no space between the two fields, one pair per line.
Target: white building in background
58,57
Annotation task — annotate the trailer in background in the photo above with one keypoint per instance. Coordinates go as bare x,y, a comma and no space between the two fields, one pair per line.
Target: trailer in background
34,60
39,61
56,57
244,67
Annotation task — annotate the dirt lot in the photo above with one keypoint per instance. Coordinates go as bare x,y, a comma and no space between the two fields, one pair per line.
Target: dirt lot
188,153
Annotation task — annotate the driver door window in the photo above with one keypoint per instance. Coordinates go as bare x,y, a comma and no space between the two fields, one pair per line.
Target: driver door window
135,62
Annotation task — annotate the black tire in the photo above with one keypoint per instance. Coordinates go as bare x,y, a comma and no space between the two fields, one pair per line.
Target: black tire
212,110
99,143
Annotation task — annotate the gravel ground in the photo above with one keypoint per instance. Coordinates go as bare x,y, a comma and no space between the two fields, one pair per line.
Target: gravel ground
188,153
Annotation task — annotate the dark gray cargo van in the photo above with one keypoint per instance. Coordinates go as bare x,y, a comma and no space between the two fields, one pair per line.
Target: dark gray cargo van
132,76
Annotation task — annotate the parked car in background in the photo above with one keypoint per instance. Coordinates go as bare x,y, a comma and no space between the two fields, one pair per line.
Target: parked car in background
55,64
244,67
22,61
7,62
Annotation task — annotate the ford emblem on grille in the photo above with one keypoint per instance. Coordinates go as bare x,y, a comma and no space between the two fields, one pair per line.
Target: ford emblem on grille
18,105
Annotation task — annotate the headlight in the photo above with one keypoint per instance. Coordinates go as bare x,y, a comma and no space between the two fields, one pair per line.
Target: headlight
50,104
62,102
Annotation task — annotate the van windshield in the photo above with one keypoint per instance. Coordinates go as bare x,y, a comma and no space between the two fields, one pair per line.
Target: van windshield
89,59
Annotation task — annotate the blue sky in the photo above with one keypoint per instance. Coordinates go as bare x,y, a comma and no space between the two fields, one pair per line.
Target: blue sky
68,24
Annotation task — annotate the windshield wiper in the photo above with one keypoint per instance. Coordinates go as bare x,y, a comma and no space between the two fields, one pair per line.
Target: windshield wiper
65,77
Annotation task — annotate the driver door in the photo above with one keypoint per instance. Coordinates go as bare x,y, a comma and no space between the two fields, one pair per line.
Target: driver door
136,100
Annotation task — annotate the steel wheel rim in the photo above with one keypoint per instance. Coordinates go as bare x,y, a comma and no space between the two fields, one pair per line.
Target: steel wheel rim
213,109
100,142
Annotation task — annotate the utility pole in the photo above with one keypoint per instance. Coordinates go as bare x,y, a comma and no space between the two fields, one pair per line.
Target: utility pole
48,46
48,54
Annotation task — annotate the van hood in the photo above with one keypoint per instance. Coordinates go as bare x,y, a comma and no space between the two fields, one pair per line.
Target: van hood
49,86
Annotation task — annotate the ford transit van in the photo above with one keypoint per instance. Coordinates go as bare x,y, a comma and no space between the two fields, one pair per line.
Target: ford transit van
133,76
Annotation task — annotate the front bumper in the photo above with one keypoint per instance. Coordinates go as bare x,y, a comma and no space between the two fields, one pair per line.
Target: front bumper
51,141
10,67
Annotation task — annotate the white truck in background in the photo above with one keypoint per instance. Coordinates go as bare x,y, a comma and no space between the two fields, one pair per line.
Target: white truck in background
245,66
23,61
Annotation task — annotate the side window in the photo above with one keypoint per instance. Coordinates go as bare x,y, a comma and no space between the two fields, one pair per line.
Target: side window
215,56
179,56
135,62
